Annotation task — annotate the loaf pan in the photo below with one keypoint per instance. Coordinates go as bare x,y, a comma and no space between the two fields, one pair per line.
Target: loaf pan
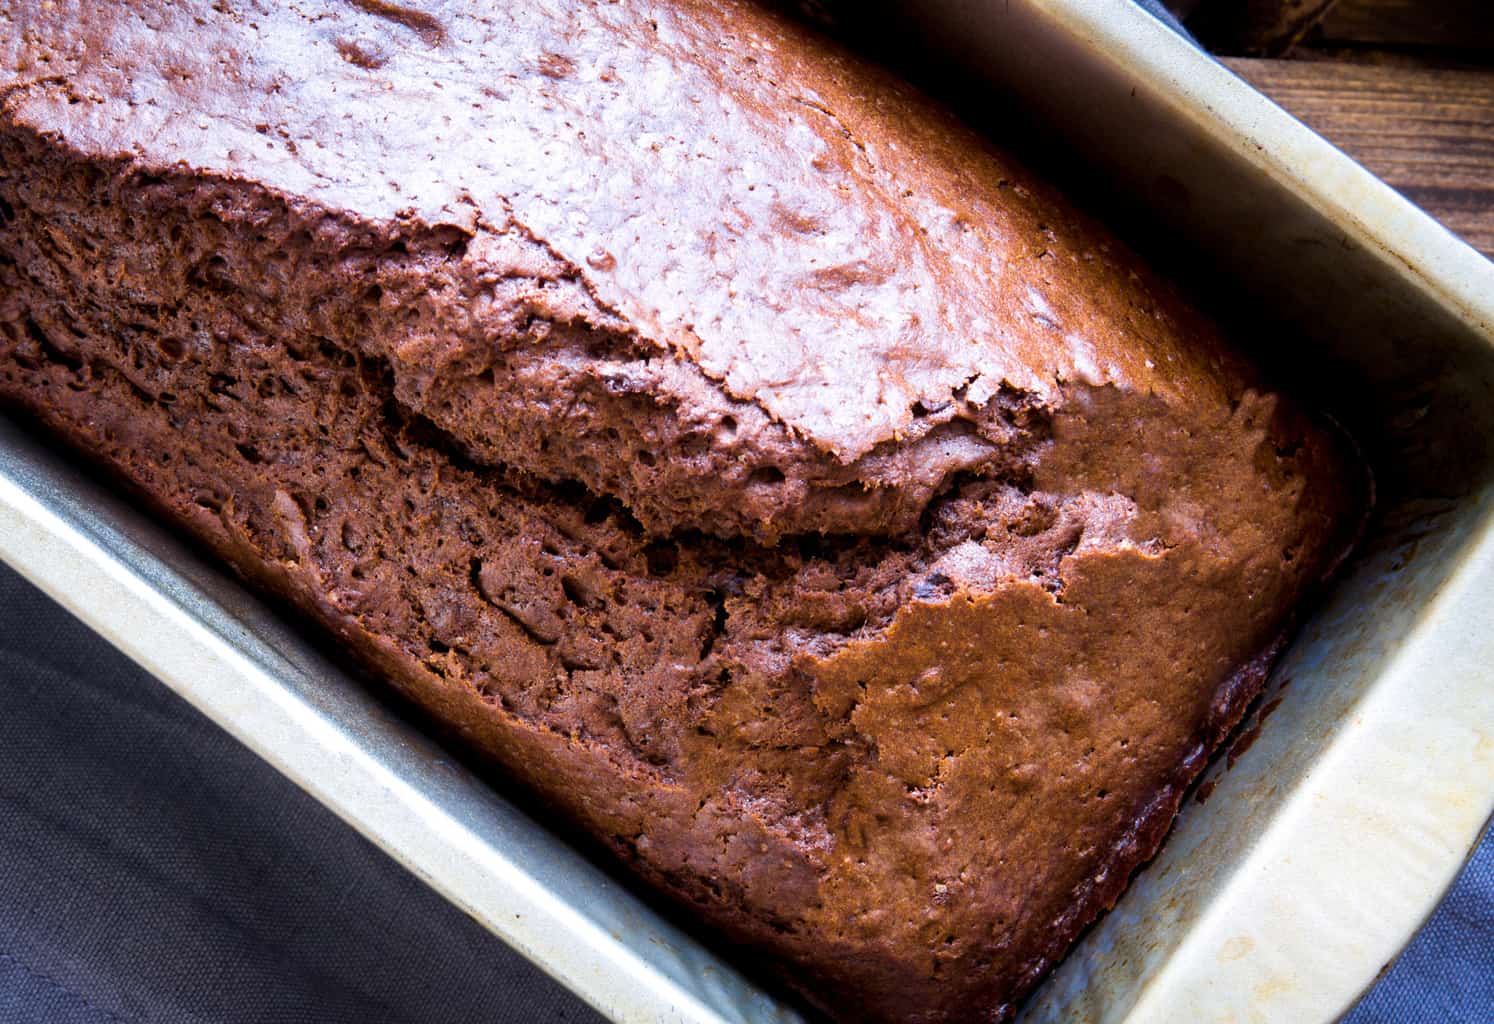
1316,853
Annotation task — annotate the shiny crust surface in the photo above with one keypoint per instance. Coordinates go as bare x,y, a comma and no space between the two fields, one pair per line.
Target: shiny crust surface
813,280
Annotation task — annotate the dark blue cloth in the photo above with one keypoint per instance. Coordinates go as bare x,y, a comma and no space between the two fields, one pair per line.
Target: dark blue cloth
154,871
1447,973
1159,11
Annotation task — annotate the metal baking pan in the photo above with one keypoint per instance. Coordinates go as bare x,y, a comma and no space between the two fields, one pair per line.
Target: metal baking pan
1317,854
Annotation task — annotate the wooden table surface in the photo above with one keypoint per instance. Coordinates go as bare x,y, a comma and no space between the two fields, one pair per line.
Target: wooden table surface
1406,87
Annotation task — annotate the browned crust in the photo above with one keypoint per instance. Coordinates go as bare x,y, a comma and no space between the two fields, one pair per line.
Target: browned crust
908,765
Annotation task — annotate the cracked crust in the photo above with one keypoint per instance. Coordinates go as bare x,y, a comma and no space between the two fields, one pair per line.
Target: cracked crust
905,763
834,313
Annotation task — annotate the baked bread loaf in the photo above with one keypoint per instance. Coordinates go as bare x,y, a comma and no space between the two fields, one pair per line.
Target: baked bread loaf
765,470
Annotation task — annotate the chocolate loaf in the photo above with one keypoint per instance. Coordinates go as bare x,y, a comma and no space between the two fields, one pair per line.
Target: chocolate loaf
765,470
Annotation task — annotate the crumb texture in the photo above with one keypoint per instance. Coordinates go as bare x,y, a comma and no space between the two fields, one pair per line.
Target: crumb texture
859,543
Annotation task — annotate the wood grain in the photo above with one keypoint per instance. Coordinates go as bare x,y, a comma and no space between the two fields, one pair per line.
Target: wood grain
1255,27
1428,133
1463,25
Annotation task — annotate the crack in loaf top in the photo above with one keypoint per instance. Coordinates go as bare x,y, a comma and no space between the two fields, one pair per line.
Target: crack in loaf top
774,222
